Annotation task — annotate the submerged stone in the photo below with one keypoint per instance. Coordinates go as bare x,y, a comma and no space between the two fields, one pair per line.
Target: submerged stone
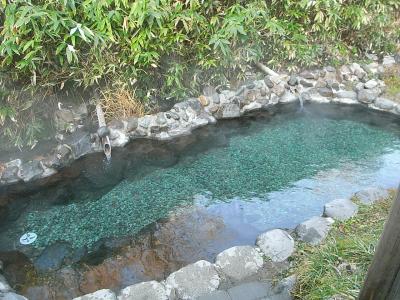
52,257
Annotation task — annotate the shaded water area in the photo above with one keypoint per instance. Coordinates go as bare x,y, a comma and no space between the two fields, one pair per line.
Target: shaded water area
161,205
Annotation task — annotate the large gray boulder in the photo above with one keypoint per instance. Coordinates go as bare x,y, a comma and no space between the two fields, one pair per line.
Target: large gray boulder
150,290
384,103
228,111
314,230
194,280
340,209
369,196
99,295
276,244
239,262
368,95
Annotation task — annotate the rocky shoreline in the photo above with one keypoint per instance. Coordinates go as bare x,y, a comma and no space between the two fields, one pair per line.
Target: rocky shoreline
352,84
240,272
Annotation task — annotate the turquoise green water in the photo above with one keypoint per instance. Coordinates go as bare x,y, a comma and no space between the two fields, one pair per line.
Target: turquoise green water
269,157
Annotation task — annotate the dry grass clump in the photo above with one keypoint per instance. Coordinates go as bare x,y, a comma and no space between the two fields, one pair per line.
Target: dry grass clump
392,81
120,103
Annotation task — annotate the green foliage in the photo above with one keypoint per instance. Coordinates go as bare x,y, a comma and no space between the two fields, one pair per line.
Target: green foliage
172,48
85,41
352,243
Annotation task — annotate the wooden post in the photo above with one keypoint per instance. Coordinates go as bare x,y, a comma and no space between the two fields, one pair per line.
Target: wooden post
383,278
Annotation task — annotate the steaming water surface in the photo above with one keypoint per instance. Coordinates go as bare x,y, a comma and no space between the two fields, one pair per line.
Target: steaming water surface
244,177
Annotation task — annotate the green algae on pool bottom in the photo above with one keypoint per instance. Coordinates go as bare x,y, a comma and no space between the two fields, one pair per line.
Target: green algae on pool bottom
268,158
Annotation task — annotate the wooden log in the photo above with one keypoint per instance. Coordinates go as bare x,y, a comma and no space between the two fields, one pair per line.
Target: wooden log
383,278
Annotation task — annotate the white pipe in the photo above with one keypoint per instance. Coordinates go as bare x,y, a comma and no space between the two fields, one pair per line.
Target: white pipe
266,70
105,141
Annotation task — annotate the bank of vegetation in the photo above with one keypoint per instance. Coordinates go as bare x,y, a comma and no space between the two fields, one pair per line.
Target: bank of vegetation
155,51
338,267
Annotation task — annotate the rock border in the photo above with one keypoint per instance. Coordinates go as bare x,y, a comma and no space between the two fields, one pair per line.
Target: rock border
236,270
352,84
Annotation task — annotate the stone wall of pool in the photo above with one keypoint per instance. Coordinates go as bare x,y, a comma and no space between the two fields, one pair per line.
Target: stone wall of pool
352,84
241,272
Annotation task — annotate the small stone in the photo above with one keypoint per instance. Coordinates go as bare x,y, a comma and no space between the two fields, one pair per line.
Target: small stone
371,195
268,82
104,294
161,119
306,96
347,101
116,124
340,209
284,288
103,131
346,94
367,96
278,90
335,85
330,69
251,95
384,103
240,262
349,268
308,75
209,91
132,124
370,84
388,61
314,230
203,100
228,111
251,291
144,291
306,83
359,86
293,80
145,121
288,97
31,171
194,280
372,56
320,83
251,107
277,79
264,91
325,92
276,244
11,171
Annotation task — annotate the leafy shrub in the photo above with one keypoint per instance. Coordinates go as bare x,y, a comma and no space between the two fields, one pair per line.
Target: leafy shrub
172,47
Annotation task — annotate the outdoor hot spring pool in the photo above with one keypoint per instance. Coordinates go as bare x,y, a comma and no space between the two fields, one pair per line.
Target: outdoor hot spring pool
160,205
